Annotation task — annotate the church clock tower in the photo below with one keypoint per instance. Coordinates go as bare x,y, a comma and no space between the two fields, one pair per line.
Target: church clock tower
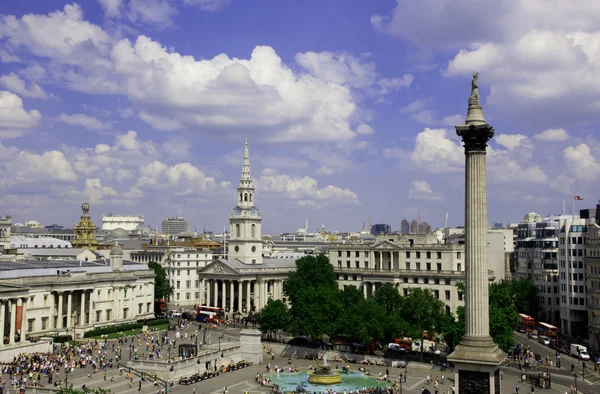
245,242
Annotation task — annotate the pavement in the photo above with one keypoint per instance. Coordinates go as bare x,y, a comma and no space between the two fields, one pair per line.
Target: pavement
244,379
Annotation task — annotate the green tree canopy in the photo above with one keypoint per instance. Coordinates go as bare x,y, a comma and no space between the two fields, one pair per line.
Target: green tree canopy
422,311
524,294
162,286
389,298
274,316
503,318
314,295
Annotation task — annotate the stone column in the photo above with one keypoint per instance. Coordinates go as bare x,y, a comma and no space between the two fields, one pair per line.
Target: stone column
248,295
23,318
59,321
208,297
256,294
82,311
2,321
476,357
231,297
380,261
202,293
91,309
365,289
69,308
240,295
223,295
13,321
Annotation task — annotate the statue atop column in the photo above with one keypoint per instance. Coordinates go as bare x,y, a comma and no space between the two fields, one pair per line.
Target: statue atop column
474,99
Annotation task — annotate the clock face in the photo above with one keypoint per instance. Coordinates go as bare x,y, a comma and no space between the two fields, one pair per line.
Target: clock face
253,211
238,211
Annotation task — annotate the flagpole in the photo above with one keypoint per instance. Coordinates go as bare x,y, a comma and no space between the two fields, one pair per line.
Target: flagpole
573,212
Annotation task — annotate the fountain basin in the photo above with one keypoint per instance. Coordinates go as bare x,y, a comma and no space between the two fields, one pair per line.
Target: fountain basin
349,381
324,376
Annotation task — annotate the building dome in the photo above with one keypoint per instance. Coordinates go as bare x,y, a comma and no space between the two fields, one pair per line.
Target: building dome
119,233
186,234
116,250
532,218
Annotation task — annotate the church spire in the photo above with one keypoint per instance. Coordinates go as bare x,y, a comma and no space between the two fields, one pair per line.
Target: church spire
246,165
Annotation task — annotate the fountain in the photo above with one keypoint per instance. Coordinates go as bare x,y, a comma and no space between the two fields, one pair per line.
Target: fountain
324,375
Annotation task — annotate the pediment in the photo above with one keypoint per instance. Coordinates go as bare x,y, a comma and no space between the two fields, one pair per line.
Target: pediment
218,267
385,245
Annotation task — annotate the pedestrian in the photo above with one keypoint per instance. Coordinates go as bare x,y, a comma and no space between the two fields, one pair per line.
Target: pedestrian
517,389
532,389
443,378
193,390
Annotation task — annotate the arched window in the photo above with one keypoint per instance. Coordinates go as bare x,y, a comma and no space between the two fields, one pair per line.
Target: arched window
241,197
253,231
237,230
245,197
250,197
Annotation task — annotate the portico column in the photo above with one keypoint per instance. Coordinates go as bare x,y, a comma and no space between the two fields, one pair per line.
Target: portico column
392,261
380,261
365,289
59,321
231,297
248,296
202,294
23,318
215,293
223,295
13,321
82,312
256,294
240,290
91,307
69,306
2,321
208,294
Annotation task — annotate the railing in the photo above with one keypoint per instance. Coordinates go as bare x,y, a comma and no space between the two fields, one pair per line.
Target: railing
143,375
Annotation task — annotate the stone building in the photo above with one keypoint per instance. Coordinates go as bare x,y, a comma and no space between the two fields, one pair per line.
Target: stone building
5,224
44,298
405,262
592,262
85,231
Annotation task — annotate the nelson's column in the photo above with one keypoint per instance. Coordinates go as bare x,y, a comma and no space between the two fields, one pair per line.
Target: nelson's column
477,358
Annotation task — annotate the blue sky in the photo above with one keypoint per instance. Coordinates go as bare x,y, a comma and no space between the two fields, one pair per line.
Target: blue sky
142,106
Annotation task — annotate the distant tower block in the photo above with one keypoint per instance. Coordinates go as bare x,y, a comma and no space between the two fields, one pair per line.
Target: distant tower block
477,358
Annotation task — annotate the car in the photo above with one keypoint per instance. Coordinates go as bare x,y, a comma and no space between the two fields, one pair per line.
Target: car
521,329
176,314
187,316
552,344
532,335
401,364
544,340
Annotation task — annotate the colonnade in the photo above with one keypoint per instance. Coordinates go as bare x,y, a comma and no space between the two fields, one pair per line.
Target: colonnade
391,263
369,288
8,313
239,294
66,316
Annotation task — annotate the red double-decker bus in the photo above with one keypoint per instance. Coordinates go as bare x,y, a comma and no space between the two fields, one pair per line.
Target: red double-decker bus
527,322
213,314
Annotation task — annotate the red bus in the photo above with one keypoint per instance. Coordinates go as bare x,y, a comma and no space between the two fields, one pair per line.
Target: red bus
213,314
527,321
160,308
548,330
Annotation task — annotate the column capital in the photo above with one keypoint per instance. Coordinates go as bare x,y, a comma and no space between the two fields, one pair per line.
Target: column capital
475,137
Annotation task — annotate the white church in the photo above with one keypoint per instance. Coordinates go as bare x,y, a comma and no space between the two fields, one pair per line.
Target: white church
245,278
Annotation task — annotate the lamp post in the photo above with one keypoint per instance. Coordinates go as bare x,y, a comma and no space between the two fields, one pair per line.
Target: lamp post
204,340
219,343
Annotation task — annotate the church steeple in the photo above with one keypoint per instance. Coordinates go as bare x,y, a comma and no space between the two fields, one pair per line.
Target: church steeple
245,242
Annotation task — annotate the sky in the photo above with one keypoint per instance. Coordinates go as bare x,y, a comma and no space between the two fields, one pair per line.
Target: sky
349,106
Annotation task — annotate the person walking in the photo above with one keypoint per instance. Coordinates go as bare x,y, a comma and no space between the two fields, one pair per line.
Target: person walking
517,389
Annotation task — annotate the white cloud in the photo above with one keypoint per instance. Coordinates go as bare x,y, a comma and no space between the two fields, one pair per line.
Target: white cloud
453,120
153,12
364,129
305,188
95,191
260,95
415,106
510,141
581,163
340,68
30,168
436,153
541,59
17,85
112,8
421,190
85,121
209,5
14,119
324,170
554,135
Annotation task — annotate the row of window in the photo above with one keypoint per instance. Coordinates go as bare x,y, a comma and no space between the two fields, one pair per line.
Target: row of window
408,266
188,284
574,264
572,276
406,254
573,252
574,300
188,296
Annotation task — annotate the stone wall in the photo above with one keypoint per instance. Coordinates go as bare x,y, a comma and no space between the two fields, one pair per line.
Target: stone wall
9,352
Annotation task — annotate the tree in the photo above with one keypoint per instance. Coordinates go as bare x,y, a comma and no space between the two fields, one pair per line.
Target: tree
503,318
274,316
422,310
313,292
524,294
453,328
162,286
389,298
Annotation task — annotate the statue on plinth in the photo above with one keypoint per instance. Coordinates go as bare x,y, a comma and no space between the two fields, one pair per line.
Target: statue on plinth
474,99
